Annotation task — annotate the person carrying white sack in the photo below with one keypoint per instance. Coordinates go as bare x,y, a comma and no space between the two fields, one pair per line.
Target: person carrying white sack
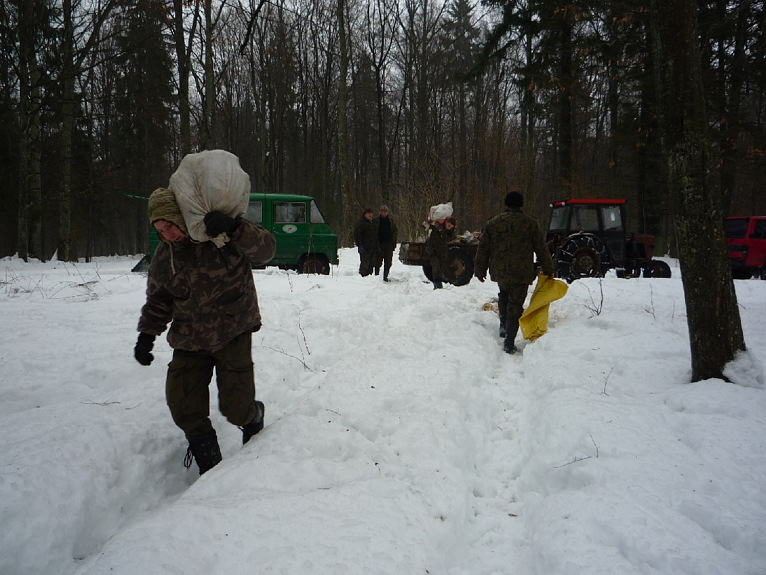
201,283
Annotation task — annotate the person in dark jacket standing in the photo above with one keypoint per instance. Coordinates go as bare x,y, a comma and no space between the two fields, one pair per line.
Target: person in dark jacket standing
437,249
387,238
366,242
208,296
507,247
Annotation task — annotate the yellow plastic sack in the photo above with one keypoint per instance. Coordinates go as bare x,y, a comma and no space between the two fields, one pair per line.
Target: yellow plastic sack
534,321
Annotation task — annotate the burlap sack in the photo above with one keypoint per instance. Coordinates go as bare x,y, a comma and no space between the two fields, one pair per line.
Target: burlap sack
210,181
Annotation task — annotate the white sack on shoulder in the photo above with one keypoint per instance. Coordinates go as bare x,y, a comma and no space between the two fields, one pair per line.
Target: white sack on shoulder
210,181
440,211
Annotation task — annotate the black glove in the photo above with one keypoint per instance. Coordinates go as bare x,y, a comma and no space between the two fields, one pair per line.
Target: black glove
143,348
217,223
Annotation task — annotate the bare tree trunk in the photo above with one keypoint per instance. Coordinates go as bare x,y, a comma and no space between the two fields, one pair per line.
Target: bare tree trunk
208,113
30,187
565,104
715,330
182,57
347,230
67,118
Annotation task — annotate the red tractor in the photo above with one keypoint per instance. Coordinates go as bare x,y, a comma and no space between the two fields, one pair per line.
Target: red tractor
587,238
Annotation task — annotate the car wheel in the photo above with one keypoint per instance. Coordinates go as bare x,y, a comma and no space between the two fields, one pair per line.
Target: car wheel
460,265
314,264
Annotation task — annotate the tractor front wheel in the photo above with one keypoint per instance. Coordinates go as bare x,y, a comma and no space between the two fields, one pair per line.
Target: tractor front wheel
657,269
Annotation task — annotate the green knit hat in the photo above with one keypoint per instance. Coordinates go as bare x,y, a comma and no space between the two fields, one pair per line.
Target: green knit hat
163,206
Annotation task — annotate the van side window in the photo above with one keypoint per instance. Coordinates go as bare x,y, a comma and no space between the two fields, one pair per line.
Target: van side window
254,212
316,215
289,213
759,232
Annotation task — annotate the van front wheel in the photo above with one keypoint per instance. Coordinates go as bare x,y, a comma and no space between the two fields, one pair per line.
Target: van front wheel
314,264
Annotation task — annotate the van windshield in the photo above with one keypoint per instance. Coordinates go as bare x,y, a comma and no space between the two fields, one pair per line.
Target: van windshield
316,215
254,212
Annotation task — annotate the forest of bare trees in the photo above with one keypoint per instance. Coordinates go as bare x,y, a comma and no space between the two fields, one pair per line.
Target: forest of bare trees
407,102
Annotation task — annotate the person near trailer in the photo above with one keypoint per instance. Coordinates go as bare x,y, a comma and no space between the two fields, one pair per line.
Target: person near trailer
437,249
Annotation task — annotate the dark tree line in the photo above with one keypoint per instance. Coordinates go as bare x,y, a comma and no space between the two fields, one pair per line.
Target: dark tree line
415,103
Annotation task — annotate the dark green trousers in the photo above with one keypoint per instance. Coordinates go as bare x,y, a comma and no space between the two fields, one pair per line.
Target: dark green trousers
187,388
510,306
384,257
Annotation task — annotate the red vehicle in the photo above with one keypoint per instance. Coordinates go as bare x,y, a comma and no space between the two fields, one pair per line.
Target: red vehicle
587,238
746,240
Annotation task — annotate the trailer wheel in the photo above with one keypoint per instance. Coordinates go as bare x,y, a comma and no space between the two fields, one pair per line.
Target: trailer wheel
583,256
657,269
314,264
461,266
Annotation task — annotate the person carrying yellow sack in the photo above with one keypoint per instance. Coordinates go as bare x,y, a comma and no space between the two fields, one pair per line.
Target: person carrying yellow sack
508,245
534,321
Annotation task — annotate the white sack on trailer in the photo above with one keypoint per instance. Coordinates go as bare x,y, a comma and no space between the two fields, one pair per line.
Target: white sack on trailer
210,181
440,211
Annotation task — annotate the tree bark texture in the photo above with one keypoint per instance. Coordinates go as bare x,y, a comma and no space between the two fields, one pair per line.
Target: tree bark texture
715,330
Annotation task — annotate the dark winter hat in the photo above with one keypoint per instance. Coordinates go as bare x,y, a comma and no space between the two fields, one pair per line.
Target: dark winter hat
163,206
514,200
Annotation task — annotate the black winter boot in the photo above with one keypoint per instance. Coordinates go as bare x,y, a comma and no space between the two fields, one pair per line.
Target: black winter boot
255,425
205,451
438,284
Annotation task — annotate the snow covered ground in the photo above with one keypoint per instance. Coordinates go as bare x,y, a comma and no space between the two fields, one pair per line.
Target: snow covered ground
399,438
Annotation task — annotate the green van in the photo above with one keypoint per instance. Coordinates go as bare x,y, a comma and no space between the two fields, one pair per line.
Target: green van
305,241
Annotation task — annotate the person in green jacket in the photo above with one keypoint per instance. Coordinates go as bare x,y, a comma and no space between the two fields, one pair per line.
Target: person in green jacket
507,247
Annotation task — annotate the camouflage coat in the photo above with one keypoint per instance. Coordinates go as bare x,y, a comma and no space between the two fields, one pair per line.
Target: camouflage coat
507,247
437,249
208,293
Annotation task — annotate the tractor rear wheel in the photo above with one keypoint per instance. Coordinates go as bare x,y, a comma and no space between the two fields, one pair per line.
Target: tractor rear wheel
583,256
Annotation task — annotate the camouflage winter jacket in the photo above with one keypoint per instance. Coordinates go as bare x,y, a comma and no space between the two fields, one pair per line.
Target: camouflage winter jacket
208,293
507,246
